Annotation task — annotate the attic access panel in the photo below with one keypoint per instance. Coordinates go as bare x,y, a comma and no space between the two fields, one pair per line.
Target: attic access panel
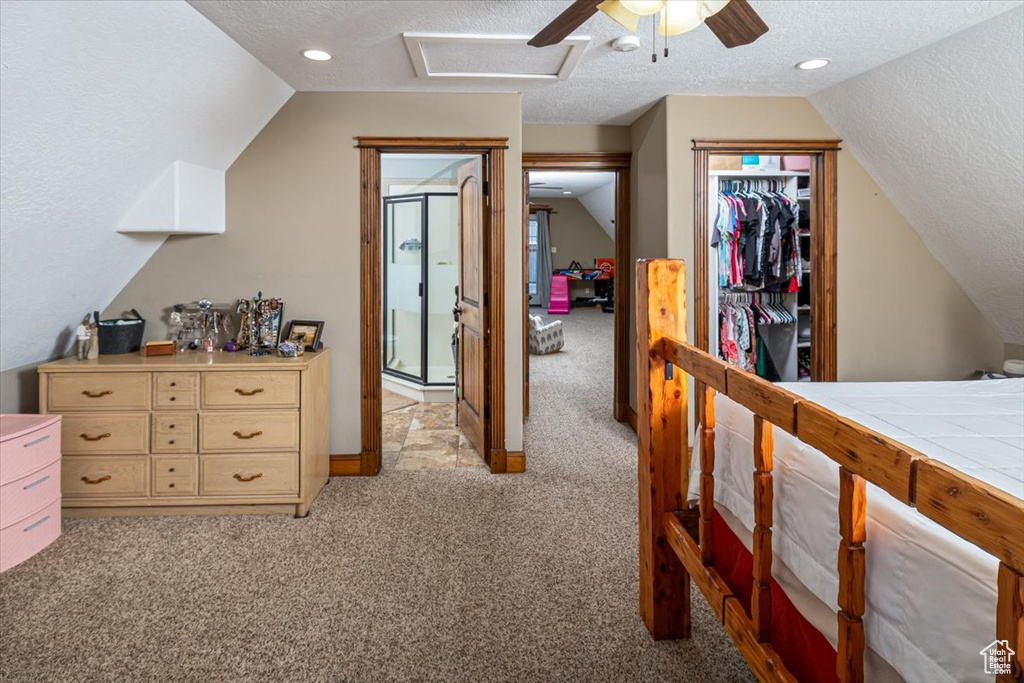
440,55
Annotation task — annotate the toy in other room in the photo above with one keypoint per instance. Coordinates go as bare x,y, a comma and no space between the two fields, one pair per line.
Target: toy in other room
259,324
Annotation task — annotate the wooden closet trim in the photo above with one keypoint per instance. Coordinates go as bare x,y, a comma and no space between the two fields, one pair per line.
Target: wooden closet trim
619,163
824,221
370,149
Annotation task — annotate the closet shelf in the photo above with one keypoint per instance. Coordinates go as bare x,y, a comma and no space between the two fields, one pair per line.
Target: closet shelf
806,308
759,174
803,344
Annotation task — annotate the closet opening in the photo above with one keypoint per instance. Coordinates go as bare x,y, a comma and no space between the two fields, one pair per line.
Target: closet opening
765,256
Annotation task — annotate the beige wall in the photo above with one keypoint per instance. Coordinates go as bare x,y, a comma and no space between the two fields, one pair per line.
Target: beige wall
575,137
649,194
293,228
900,315
575,235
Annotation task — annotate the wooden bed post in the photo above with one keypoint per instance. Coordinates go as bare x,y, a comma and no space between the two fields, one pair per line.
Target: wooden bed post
706,502
761,596
852,532
1010,618
662,446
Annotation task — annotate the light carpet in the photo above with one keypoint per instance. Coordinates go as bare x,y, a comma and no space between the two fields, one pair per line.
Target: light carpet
425,575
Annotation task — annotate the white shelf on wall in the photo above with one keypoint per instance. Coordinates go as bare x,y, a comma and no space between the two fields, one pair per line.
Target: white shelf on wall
759,174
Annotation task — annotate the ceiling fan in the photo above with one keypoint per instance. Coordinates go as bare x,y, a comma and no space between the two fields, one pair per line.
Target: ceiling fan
734,22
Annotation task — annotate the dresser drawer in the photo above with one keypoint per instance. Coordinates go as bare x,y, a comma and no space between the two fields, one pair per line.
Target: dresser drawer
250,390
175,475
174,433
249,475
269,430
102,476
175,391
91,391
26,495
105,433
29,452
25,538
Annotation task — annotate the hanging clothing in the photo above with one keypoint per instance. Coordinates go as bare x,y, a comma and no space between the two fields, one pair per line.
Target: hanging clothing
756,234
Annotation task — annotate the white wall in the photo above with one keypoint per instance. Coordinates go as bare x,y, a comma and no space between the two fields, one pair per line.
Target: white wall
97,99
600,202
942,130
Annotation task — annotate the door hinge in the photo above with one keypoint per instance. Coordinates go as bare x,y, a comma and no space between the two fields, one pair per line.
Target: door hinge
487,412
487,188
487,299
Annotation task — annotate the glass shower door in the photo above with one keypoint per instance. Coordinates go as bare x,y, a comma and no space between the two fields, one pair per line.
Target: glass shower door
404,282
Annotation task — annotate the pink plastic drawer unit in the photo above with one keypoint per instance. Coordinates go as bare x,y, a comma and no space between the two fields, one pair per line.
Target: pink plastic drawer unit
29,486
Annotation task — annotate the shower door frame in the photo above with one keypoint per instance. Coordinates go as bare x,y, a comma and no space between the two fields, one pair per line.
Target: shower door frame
424,289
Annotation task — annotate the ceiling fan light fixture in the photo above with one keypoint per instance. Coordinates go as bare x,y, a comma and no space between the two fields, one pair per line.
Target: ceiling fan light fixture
643,8
626,43
811,64
620,15
682,16
317,55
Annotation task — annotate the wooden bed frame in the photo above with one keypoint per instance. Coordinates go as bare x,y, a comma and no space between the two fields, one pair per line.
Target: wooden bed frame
676,542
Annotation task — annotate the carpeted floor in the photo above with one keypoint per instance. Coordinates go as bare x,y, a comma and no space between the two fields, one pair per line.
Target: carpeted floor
425,575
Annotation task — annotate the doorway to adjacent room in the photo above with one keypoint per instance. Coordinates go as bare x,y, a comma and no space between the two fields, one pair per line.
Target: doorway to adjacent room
577,268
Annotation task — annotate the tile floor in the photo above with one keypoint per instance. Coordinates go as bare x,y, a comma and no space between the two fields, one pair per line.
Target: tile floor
424,436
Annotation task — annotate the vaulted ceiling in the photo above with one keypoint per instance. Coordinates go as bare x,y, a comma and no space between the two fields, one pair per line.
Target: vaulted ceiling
942,130
96,101
607,86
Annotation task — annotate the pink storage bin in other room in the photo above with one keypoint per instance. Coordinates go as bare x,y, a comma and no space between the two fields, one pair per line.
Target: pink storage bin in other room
796,163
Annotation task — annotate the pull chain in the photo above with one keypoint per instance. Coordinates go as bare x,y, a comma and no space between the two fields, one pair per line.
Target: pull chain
654,39
666,29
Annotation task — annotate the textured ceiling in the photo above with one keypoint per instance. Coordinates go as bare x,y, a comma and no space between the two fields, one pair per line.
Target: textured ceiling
96,100
942,131
607,87
554,183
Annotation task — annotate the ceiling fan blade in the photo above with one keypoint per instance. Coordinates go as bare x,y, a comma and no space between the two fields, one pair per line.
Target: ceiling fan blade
565,23
737,24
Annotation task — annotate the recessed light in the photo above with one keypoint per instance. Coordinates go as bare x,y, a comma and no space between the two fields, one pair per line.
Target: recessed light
811,64
566,192
317,55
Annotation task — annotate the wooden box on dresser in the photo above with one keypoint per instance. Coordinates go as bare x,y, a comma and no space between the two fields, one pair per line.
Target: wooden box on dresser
192,433
29,486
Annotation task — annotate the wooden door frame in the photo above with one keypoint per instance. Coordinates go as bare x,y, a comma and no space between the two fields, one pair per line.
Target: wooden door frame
618,163
824,222
492,151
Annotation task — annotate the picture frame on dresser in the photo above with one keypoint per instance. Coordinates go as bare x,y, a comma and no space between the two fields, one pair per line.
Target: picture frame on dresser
309,331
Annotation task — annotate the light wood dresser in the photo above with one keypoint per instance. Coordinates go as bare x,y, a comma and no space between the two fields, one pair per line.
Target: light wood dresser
193,433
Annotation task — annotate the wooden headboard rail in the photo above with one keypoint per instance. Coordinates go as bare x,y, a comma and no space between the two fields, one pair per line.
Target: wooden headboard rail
977,512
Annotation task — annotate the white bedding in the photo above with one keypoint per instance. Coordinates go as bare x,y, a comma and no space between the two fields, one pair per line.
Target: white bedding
931,596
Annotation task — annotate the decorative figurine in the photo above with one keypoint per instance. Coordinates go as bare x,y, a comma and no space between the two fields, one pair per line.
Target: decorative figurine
82,336
94,342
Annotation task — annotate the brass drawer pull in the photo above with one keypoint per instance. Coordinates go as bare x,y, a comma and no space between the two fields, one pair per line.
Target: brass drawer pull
105,477
98,394
94,438
243,392
240,435
239,477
